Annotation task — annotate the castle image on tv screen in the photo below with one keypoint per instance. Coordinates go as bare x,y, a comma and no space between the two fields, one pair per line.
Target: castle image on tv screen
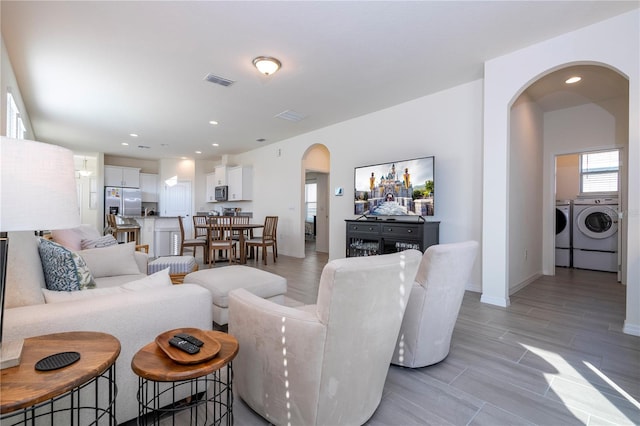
397,188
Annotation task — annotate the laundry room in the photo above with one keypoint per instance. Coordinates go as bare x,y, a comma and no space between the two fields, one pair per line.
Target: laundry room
560,127
589,144
587,207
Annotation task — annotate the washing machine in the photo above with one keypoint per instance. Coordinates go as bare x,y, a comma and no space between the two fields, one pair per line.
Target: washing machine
563,233
595,234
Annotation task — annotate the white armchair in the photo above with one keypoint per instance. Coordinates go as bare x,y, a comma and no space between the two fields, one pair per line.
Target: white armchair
436,297
323,364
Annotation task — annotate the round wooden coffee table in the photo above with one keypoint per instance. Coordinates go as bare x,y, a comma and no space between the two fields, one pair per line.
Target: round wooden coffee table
204,388
66,393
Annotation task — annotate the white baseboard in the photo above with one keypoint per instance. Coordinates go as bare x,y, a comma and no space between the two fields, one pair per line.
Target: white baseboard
633,329
498,301
524,283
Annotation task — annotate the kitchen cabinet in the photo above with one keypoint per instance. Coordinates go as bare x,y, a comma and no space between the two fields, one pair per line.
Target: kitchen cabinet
240,181
220,176
122,176
149,187
211,188
373,237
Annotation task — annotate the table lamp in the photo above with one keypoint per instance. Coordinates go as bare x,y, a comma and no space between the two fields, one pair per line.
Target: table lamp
37,192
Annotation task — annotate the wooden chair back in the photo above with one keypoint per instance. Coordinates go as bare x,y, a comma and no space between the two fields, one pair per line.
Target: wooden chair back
199,220
270,228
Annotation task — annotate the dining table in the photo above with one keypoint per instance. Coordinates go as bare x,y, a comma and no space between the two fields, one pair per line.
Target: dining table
243,228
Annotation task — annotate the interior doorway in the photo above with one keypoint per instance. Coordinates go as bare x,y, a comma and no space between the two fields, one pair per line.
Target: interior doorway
177,202
315,201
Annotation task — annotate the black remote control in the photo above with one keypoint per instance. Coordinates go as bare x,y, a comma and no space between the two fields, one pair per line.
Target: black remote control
189,338
183,345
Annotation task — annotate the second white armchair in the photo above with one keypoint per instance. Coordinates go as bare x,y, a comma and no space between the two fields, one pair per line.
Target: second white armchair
436,297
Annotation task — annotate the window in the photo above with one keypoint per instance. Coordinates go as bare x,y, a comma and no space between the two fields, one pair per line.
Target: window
15,126
599,172
311,200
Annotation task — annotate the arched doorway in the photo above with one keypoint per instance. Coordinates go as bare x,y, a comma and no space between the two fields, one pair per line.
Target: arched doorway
550,118
315,198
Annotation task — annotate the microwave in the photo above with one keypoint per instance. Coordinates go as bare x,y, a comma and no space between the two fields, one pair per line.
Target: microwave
221,193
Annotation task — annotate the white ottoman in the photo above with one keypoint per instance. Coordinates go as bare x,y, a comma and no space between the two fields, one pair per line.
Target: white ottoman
220,281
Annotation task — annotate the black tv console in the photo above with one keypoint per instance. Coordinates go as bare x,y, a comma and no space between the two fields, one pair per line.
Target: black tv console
370,237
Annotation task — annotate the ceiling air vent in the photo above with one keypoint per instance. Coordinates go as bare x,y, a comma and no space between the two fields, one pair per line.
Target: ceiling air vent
218,80
291,115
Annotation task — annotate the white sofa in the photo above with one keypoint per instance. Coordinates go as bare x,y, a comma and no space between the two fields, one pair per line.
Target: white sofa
135,318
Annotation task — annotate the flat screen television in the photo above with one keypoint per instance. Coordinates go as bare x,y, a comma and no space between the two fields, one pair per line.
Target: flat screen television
395,188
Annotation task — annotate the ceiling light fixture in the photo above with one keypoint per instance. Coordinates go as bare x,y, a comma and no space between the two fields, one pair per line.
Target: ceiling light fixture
266,64
124,144
572,80
213,122
215,144
133,135
198,152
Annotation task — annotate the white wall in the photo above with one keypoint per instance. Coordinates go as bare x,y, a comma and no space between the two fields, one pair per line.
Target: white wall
525,190
9,83
447,124
613,42
567,176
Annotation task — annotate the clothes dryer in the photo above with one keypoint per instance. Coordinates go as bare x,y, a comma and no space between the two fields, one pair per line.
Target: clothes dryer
563,233
595,234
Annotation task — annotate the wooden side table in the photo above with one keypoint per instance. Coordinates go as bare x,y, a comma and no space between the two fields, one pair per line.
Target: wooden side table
208,383
81,393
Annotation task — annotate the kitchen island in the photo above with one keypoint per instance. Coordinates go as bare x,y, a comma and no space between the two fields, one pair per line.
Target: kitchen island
161,233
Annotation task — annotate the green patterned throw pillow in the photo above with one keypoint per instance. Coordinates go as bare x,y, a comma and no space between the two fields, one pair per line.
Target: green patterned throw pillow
63,269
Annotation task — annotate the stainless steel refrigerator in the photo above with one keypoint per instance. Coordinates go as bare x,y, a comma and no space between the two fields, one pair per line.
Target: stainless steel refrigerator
122,201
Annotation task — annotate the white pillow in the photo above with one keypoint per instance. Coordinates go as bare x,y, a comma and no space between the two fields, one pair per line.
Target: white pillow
72,238
105,241
52,296
159,279
111,261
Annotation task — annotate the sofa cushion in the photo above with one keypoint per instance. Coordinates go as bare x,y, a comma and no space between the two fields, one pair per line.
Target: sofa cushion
72,238
111,261
63,269
25,279
154,281
105,241
69,296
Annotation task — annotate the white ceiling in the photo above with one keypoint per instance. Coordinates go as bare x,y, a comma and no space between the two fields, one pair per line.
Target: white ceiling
91,72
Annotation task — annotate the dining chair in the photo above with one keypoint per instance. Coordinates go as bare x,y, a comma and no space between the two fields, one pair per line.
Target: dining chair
236,232
198,222
267,239
192,243
222,238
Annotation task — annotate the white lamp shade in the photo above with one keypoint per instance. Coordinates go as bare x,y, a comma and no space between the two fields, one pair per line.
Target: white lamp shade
37,186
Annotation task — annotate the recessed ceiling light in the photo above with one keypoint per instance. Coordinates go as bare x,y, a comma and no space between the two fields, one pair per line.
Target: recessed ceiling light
573,79
213,122
133,135
124,144
215,144
198,152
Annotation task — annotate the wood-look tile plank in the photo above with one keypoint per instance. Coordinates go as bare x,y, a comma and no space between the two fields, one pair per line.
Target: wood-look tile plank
502,359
